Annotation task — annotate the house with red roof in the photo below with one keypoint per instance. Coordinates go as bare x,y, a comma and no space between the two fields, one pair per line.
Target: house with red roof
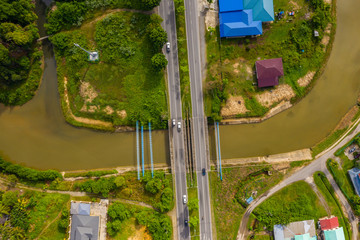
268,72
329,223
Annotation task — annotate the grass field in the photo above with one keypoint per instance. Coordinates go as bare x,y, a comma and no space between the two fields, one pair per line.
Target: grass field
327,142
123,80
231,62
295,202
229,195
328,192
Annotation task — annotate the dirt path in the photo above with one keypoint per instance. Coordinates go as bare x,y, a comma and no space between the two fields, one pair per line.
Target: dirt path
48,225
310,181
81,119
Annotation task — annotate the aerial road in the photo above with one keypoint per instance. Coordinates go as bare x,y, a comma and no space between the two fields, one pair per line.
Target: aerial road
199,121
167,12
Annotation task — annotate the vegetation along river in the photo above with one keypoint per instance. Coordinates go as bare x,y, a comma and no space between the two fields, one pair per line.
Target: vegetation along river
37,135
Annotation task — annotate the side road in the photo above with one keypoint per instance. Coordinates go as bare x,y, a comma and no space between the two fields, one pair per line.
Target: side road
319,164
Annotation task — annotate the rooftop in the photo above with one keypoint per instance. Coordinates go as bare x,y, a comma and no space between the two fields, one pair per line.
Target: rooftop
329,223
354,176
292,230
268,72
336,234
230,5
84,227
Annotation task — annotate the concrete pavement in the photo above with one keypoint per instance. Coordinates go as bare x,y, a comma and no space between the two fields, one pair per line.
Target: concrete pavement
167,12
199,120
319,164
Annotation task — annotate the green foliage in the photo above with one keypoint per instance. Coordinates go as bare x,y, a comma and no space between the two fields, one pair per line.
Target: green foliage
89,173
194,222
159,61
9,199
166,200
153,186
157,35
28,173
293,203
102,186
119,182
327,142
19,216
158,225
64,221
118,211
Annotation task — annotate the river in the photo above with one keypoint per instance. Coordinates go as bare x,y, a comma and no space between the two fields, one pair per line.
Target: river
37,135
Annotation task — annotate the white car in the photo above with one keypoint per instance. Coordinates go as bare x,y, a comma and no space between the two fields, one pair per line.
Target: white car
168,47
179,126
184,199
173,122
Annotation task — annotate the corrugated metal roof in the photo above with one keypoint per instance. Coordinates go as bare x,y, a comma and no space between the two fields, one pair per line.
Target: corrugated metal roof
337,234
263,10
230,5
268,72
289,231
329,223
238,24
353,173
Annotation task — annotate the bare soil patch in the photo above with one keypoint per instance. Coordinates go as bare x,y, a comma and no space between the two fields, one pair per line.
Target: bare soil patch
121,113
234,105
347,119
296,6
140,234
305,80
280,93
108,110
211,19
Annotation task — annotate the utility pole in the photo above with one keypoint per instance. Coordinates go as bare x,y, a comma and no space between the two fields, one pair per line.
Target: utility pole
93,56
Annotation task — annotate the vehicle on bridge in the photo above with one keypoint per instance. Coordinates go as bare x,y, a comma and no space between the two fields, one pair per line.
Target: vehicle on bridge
179,126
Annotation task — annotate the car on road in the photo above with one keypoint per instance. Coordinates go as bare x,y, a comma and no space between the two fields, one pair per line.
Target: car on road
173,122
186,222
168,47
184,199
179,126
352,150
203,171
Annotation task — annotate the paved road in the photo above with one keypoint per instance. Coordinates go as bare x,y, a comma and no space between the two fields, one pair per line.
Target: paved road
199,124
317,165
167,12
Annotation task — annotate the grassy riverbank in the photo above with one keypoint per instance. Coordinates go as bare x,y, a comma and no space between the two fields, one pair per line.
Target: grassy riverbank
124,86
231,61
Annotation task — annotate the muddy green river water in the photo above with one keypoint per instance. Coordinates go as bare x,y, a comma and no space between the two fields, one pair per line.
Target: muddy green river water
37,135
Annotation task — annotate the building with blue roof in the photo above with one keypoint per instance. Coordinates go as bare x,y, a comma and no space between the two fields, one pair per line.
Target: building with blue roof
239,24
335,234
263,10
354,174
239,18
230,5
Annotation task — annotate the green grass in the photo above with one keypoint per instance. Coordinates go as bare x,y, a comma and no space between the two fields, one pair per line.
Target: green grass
194,213
328,192
238,183
123,82
295,202
90,173
233,59
327,142
341,178
183,55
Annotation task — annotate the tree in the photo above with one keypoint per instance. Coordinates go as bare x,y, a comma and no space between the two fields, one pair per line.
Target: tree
166,200
150,4
118,211
119,181
193,204
194,222
157,36
9,199
153,186
159,61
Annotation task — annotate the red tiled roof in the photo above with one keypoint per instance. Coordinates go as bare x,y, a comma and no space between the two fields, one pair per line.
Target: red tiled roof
268,72
330,223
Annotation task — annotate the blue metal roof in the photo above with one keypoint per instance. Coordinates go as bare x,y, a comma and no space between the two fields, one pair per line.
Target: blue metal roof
230,5
239,24
263,10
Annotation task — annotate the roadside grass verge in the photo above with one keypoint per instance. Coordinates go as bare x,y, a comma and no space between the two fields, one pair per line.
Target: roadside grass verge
193,205
328,141
183,56
228,196
295,202
328,192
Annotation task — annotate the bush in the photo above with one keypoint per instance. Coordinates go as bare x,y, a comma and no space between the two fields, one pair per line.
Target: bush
28,174
159,62
103,186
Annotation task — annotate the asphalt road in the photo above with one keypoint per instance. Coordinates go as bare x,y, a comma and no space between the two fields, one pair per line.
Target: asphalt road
198,117
317,165
167,12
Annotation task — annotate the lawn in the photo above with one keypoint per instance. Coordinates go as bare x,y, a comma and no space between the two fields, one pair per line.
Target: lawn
295,202
228,196
123,86
193,204
328,192
231,62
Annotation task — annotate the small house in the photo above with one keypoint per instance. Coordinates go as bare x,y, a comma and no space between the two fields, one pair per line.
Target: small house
328,223
268,72
354,174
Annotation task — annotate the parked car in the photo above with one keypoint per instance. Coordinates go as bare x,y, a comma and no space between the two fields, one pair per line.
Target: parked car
352,150
203,171
168,47
184,199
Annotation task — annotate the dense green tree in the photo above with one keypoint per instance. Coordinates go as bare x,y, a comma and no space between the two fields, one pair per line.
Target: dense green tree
150,4
157,36
159,61
193,204
118,211
194,222
19,216
153,186
119,181
10,198
166,200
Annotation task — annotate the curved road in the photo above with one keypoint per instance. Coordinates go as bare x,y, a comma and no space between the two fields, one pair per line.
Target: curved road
317,165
